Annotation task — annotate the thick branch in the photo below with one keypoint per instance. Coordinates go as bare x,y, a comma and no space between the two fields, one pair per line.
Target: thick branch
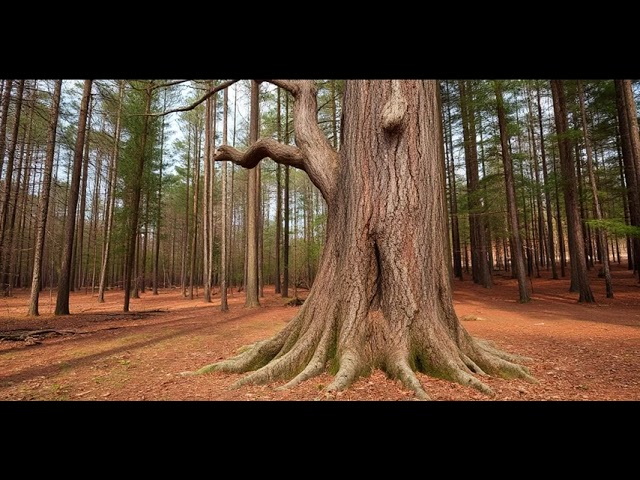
321,158
263,148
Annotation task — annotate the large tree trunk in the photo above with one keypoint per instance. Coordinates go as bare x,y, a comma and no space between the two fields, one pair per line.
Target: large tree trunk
62,300
579,279
382,297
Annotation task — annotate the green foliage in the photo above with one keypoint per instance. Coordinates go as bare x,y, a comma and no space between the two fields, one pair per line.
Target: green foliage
615,226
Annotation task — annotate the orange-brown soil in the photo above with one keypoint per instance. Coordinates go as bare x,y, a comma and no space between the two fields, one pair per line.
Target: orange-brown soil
578,351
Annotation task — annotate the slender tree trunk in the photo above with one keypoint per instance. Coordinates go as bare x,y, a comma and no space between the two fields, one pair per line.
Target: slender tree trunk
185,231
111,196
20,182
5,233
196,190
93,231
455,230
481,273
76,272
62,300
594,191
547,192
285,233
156,254
4,119
278,238
136,189
538,192
251,289
518,260
4,115
633,147
145,238
206,213
224,241
576,240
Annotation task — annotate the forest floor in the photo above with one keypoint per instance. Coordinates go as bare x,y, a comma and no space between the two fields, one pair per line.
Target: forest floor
578,351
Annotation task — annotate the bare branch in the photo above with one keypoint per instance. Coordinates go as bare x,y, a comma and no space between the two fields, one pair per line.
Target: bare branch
210,93
263,148
169,84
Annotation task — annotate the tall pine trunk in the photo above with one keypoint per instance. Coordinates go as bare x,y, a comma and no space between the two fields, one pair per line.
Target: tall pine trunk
62,300
512,205
577,258
111,195
43,203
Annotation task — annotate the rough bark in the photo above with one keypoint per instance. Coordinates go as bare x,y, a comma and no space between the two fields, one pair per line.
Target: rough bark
62,299
576,240
382,297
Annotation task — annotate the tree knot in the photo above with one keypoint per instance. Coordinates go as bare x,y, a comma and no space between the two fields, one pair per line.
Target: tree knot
394,111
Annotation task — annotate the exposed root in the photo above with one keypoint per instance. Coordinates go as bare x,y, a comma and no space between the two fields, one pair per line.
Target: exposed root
350,369
464,378
317,364
472,365
491,347
254,357
499,362
33,334
408,378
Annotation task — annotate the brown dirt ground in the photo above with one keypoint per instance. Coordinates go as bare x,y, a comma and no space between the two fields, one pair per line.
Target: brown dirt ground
578,352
